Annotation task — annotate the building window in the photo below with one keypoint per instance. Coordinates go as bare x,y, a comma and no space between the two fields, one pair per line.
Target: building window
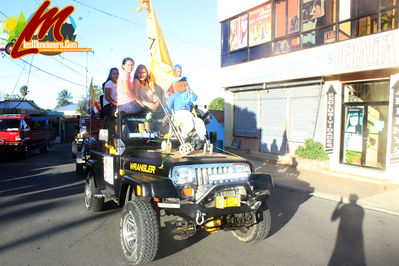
225,38
238,32
260,25
286,17
282,26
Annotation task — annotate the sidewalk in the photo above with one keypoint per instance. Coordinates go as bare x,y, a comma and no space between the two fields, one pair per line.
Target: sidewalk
373,194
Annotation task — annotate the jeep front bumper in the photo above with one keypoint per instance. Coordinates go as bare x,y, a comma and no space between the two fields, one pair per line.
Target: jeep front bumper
257,191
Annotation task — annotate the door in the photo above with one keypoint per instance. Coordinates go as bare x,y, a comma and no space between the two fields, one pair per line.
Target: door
365,135
365,123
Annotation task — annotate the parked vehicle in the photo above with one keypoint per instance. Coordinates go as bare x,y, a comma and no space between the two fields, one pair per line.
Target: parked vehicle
143,171
88,128
19,134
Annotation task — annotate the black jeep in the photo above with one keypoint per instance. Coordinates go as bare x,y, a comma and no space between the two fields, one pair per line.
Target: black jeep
143,171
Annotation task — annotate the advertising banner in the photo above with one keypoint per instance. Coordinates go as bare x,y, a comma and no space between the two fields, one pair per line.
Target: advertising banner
260,25
238,33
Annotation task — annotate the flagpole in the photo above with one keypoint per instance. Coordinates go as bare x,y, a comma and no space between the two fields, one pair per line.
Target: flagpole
86,75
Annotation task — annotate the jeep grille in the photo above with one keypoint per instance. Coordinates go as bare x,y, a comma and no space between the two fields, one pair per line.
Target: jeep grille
220,173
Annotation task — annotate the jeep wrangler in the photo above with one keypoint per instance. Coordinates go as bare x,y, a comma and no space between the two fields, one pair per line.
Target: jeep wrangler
150,175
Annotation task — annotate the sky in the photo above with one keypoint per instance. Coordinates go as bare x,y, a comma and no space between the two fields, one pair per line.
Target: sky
190,29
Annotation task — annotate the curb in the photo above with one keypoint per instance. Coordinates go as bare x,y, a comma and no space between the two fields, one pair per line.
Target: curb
335,198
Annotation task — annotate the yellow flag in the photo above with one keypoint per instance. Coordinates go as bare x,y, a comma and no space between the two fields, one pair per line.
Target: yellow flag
92,93
161,66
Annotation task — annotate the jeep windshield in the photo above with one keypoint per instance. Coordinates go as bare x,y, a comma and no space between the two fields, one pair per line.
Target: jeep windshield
135,127
9,124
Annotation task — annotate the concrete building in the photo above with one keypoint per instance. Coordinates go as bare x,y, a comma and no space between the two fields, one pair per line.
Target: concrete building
320,69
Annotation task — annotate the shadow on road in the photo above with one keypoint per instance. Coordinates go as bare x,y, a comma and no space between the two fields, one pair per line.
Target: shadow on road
285,201
53,231
349,245
169,246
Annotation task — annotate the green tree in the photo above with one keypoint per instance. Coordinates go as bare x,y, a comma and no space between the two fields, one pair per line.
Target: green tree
64,98
23,91
217,104
82,107
99,91
11,97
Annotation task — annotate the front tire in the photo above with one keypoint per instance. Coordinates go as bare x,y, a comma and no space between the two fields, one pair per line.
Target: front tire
25,151
139,231
74,149
258,231
91,202
79,169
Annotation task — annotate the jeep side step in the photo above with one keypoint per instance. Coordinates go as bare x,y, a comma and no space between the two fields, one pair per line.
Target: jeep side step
106,193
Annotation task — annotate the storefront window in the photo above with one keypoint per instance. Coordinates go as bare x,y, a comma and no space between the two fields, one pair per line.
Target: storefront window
344,31
225,38
344,9
317,13
225,60
388,20
290,25
238,32
260,51
319,37
260,25
287,45
239,57
366,92
365,124
387,3
286,17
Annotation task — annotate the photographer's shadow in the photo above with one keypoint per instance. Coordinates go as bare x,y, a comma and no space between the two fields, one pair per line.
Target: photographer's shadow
349,245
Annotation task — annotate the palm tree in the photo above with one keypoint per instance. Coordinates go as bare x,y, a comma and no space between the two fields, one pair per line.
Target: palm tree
24,91
64,98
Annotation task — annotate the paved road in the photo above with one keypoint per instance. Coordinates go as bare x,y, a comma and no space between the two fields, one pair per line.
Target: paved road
43,222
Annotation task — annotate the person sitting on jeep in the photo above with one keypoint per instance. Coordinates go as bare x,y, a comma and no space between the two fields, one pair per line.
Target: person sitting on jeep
128,100
145,87
181,103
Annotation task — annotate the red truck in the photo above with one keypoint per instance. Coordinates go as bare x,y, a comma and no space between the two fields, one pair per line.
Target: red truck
22,133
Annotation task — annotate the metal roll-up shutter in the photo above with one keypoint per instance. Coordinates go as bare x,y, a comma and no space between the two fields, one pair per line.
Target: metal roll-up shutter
273,121
246,105
306,117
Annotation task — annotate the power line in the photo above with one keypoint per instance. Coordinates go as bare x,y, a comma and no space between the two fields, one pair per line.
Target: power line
196,39
109,14
30,67
73,62
51,74
3,14
19,78
70,68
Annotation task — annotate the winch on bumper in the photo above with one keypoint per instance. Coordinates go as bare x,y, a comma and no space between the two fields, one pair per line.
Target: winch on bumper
221,199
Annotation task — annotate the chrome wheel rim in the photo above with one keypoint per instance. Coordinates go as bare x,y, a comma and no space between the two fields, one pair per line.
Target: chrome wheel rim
87,194
129,232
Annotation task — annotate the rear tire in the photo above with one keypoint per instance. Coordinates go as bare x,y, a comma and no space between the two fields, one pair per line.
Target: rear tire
74,149
258,231
44,148
139,231
91,202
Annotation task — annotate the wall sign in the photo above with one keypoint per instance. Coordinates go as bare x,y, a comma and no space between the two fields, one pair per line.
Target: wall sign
330,119
394,158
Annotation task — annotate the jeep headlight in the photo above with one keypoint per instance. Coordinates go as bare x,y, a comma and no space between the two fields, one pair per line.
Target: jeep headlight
241,168
182,175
